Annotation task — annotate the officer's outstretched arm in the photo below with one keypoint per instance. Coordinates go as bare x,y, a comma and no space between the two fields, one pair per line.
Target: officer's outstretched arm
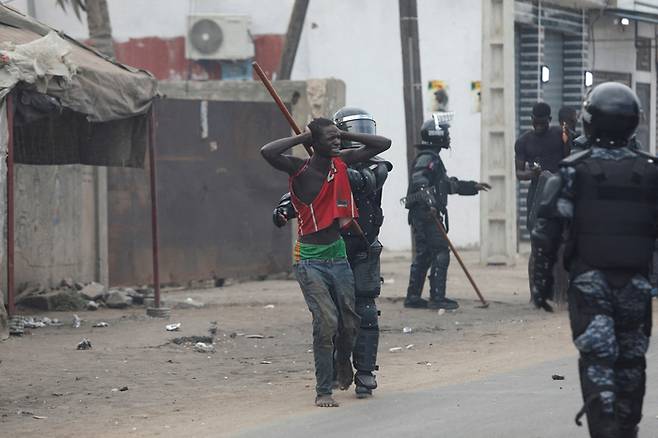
546,237
284,211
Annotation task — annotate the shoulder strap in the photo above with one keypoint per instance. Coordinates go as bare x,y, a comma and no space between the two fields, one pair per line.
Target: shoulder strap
301,169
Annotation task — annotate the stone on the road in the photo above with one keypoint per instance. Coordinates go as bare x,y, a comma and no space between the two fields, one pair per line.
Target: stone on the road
93,292
118,299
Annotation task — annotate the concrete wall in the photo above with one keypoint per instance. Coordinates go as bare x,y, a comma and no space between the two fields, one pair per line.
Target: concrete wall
359,43
55,224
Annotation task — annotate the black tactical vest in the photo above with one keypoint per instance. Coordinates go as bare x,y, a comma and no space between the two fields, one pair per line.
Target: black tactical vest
615,212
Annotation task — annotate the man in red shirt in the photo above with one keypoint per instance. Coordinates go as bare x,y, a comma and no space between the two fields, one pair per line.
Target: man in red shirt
323,200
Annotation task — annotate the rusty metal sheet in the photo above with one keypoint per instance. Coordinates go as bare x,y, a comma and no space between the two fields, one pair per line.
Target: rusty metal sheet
215,195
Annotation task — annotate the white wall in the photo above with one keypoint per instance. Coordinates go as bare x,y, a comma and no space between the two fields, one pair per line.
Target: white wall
358,42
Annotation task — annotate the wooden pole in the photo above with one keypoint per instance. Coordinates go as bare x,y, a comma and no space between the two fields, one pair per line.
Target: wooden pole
155,231
293,35
439,225
263,77
11,305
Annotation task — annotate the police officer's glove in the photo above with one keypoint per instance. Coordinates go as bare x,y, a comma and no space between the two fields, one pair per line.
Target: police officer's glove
279,217
539,299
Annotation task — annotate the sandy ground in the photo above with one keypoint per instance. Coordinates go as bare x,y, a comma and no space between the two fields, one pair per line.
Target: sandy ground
175,391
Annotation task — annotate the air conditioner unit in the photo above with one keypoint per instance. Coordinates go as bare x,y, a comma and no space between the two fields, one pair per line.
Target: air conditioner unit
218,37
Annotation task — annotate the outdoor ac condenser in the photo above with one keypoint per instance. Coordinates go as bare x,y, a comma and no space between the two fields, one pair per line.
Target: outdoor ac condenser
218,37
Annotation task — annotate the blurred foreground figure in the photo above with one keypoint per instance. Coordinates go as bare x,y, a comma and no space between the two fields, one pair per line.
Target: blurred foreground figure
606,197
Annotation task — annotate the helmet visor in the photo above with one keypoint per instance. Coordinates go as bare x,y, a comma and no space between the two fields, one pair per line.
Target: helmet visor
357,126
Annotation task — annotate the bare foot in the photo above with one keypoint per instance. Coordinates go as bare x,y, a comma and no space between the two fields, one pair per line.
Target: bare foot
326,401
344,373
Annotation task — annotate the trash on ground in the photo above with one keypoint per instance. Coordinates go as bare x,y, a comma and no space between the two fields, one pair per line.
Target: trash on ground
442,312
557,377
213,328
39,417
423,362
123,388
265,362
173,327
76,321
101,324
407,330
395,349
84,344
269,306
202,347
254,336
409,347
192,340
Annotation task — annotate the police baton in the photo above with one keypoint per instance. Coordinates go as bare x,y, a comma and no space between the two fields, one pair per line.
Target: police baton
439,225
263,77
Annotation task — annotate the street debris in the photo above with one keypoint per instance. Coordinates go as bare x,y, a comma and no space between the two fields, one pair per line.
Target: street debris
407,330
188,303
202,347
76,321
395,349
192,340
213,328
254,336
173,327
69,295
557,377
123,388
39,417
269,306
84,344
423,362
101,324
441,312
409,347
265,362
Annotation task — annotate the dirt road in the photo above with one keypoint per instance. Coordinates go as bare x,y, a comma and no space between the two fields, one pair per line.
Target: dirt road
175,391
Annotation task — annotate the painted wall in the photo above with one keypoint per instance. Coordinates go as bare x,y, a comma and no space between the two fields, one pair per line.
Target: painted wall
357,42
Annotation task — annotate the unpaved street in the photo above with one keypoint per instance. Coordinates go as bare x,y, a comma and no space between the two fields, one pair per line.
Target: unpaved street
250,382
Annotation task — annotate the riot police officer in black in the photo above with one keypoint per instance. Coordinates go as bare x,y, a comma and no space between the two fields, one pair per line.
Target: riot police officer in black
606,198
427,198
363,248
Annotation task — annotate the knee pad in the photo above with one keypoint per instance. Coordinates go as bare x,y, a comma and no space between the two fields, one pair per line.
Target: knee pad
443,258
367,310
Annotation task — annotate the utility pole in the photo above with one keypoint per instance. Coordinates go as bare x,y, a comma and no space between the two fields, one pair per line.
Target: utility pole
293,35
413,97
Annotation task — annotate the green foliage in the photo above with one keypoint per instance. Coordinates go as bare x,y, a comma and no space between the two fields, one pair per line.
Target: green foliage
77,5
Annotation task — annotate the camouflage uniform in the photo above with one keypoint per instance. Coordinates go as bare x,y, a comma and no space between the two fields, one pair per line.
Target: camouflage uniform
609,309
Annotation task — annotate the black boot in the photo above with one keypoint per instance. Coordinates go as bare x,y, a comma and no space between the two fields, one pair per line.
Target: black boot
365,382
445,303
415,302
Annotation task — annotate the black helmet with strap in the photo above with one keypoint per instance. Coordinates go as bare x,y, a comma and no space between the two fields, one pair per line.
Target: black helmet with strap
352,119
611,113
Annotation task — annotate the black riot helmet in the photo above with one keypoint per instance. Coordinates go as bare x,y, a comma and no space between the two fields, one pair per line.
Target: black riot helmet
357,120
434,132
611,113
